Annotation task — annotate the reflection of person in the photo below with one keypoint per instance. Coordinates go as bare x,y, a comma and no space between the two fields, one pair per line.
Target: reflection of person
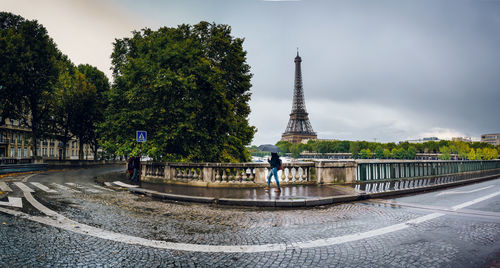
275,165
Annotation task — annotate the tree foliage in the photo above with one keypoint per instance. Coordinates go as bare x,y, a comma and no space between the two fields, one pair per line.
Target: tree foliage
63,102
28,72
403,150
445,153
188,87
365,154
96,103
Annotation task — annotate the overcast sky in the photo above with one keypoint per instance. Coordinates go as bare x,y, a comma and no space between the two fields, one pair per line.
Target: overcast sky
372,69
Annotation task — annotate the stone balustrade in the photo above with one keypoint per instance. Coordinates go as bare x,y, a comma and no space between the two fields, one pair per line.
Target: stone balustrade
244,174
317,172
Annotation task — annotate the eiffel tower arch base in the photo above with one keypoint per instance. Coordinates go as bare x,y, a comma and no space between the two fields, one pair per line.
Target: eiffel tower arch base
297,137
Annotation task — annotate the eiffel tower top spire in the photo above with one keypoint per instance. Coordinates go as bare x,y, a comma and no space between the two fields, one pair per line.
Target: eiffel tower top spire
298,127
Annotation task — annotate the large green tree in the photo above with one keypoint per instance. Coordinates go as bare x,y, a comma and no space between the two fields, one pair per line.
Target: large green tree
94,114
188,87
82,121
28,72
63,103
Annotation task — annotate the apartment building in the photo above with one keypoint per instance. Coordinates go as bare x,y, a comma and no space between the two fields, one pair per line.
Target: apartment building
493,139
15,142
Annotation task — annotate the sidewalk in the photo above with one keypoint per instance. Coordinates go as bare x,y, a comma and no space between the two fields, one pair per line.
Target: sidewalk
290,196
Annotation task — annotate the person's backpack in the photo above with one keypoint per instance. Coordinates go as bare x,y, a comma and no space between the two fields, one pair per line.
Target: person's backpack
281,165
130,164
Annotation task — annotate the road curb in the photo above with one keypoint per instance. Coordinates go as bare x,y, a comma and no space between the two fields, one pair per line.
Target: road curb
160,195
296,203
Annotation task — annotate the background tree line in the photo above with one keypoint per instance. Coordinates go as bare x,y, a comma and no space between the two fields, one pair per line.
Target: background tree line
403,150
189,87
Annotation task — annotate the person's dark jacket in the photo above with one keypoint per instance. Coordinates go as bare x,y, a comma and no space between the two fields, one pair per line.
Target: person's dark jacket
136,162
275,161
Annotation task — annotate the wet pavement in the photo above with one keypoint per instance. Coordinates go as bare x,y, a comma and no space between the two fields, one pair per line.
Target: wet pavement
287,192
376,233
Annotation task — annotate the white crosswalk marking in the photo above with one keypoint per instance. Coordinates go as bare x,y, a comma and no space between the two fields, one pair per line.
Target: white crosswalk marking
4,187
13,202
64,188
43,187
121,184
23,187
465,192
81,187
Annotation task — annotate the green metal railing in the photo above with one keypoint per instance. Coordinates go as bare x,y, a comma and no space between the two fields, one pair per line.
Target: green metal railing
399,170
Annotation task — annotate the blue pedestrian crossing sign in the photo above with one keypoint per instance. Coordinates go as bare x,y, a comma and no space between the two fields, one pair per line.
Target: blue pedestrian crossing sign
141,136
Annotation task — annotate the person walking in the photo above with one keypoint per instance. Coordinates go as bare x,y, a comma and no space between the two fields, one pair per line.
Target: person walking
130,168
137,168
275,162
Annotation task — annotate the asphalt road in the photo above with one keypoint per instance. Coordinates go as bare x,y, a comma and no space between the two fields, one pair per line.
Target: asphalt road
69,221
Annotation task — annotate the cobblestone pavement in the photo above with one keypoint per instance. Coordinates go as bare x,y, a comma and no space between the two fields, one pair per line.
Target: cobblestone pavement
466,238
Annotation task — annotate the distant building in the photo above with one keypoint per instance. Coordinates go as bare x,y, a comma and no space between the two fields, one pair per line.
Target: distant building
426,139
15,142
464,139
493,139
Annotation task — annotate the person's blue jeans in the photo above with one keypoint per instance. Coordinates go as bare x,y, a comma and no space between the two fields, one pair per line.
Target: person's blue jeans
274,171
135,175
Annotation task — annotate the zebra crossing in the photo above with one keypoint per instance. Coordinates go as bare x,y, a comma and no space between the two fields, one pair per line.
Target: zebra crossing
53,187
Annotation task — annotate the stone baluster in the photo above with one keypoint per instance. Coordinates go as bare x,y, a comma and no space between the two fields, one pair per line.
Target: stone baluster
244,176
218,177
252,177
167,173
224,175
237,176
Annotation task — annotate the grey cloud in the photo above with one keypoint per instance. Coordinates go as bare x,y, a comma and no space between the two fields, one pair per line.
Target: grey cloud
386,69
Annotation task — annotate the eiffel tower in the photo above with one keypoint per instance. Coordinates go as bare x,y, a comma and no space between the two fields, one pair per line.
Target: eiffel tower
299,128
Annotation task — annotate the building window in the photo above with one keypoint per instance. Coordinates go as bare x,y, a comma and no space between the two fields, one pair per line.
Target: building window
44,150
52,152
25,152
19,152
12,152
1,137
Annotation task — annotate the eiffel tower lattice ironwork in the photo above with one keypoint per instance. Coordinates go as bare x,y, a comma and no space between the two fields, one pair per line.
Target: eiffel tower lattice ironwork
299,127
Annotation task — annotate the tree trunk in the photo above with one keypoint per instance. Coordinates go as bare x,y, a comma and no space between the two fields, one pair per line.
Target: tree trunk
35,146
